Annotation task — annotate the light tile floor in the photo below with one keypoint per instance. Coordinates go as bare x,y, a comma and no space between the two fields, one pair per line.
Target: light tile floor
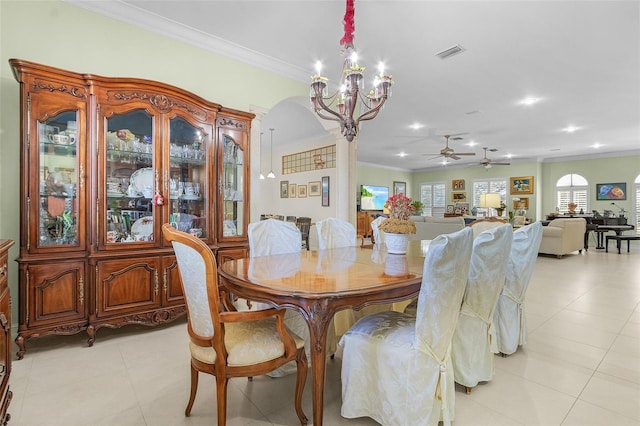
581,366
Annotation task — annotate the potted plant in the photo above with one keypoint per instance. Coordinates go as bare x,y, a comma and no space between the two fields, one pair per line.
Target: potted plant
501,209
418,206
397,226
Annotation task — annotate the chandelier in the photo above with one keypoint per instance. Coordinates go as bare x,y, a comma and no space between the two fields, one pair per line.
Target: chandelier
347,100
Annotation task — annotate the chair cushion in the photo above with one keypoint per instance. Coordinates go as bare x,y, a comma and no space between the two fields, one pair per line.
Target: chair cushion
247,343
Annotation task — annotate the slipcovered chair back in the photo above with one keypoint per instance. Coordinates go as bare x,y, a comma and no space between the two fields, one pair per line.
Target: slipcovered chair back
509,318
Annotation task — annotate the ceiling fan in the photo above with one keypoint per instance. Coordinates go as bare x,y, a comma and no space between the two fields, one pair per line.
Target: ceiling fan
486,162
448,152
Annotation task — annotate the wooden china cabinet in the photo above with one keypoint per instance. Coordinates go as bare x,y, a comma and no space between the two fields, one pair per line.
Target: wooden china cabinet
5,329
104,163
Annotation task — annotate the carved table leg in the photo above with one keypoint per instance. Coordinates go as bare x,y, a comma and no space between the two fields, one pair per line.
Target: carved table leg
318,318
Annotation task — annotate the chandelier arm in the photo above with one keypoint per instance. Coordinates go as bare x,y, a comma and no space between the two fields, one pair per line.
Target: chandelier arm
372,112
334,115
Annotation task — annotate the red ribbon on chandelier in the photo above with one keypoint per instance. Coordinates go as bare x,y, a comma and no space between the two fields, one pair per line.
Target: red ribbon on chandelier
349,24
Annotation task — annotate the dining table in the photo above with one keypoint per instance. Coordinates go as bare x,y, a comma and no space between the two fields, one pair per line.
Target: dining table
319,283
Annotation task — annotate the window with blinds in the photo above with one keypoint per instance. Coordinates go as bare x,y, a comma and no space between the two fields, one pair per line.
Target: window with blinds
572,188
494,186
434,199
637,204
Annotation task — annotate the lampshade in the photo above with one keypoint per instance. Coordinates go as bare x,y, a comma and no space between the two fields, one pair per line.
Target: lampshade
490,200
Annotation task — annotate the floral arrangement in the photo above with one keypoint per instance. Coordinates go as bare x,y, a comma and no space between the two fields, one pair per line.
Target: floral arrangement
400,209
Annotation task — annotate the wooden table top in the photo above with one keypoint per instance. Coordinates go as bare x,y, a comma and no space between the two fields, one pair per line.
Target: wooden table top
335,271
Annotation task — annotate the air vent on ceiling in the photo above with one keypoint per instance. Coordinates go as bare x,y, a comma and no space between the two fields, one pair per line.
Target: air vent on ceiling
447,53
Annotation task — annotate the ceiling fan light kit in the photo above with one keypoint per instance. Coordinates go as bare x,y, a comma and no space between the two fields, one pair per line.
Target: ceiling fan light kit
487,163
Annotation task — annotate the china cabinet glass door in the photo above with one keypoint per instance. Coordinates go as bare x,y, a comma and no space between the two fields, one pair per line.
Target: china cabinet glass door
59,179
187,177
233,177
131,180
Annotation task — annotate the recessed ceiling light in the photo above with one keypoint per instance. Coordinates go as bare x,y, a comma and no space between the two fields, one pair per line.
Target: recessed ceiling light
571,129
402,154
509,155
597,145
529,101
416,126
472,143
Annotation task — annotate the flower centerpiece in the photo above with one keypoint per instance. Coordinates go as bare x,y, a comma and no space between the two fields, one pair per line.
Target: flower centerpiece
397,226
400,209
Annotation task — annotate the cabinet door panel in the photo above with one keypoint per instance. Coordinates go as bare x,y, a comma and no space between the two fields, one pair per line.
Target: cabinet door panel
56,292
127,285
233,181
57,175
172,288
188,176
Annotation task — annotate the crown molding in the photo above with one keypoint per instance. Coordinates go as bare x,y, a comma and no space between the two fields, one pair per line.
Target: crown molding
165,27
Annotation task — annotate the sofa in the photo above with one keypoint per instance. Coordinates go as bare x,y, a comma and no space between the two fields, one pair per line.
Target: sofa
427,227
562,236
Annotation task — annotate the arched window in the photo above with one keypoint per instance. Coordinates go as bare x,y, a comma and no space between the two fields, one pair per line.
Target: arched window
572,189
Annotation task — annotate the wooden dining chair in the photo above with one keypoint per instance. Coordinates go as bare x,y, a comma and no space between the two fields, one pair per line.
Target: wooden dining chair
229,344
304,225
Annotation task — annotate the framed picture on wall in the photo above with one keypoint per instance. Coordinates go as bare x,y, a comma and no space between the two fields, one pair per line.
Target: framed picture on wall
458,197
521,203
315,189
611,191
457,184
302,191
522,185
399,188
284,189
292,190
325,191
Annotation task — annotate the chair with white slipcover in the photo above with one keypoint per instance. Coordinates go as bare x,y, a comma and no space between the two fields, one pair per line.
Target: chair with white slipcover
377,234
509,318
270,237
229,344
396,368
473,342
335,233
480,225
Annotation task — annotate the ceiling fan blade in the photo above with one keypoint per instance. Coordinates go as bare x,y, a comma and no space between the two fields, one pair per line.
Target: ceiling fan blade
500,164
453,156
433,157
464,153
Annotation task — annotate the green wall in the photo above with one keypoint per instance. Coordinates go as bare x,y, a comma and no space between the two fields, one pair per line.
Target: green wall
596,170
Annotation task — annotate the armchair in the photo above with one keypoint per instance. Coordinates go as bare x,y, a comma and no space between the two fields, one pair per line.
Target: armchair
562,236
229,344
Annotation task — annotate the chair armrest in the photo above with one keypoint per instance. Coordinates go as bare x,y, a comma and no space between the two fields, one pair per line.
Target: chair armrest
244,316
552,231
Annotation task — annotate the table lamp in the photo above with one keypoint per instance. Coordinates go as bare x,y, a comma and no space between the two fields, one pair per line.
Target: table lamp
490,201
